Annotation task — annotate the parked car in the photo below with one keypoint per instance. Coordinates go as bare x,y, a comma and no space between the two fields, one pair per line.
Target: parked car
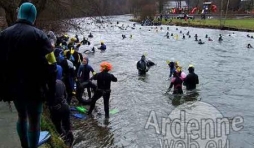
181,16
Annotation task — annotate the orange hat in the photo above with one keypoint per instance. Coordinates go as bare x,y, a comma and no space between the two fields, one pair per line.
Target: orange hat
106,66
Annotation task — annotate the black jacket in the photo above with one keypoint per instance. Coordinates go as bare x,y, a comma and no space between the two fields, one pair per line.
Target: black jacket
60,94
104,80
78,58
27,62
191,80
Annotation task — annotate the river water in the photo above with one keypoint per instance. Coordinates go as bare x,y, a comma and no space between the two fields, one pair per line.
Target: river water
225,74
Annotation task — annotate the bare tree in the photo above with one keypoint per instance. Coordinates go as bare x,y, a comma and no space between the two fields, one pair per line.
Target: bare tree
161,5
139,7
10,7
234,5
56,15
149,11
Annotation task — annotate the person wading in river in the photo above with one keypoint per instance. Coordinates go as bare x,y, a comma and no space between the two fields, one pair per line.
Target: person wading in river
104,79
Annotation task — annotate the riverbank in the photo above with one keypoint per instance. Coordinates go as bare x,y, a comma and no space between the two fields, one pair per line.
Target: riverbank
246,25
47,125
9,137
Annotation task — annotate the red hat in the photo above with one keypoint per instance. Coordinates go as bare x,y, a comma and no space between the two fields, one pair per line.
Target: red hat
106,66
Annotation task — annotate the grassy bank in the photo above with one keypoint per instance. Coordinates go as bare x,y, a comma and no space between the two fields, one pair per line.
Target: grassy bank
227,24
47,125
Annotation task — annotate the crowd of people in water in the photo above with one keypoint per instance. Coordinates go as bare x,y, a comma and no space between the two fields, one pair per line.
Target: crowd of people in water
199,41
177,77
66,75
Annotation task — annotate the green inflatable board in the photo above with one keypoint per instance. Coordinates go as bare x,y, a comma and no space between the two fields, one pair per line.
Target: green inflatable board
113,111
81,109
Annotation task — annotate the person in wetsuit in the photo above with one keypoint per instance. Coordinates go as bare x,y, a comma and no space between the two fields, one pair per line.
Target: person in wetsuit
84,79
19,80
62,41
52,37
180,73
60,113
123,36
84,41
102,47
196,37
220,38
200,42
191,79
177,83
75,57
90,49
104,79
171,66
90,35
249,46
144,65
68,74
77,38
209,39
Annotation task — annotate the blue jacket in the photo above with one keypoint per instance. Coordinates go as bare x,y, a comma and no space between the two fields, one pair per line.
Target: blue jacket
103,47
171,65
84,72
59,73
